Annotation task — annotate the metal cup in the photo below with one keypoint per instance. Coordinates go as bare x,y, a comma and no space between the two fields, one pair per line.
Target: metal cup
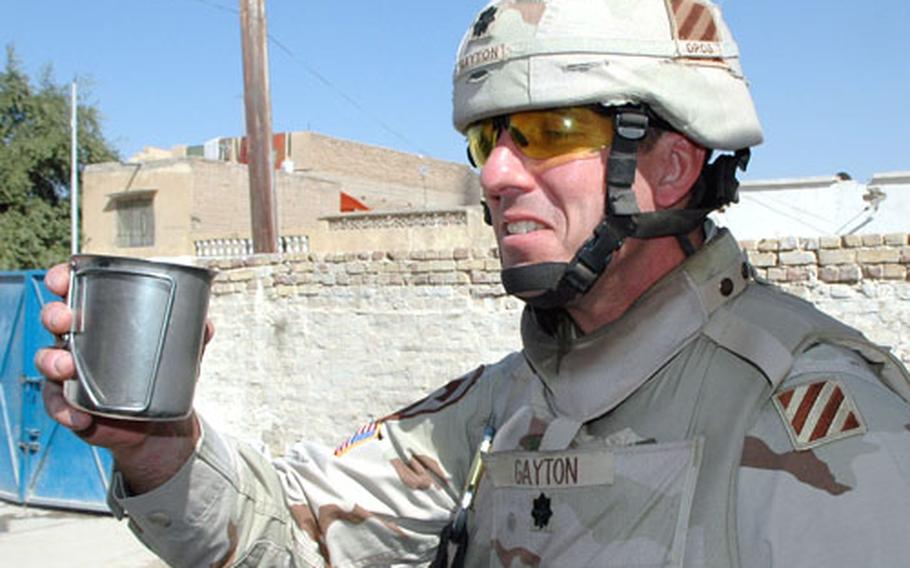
137,336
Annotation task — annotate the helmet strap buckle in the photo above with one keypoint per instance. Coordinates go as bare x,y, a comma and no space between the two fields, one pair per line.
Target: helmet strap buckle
630,126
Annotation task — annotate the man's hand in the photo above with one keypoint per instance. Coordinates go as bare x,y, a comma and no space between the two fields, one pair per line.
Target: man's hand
147,453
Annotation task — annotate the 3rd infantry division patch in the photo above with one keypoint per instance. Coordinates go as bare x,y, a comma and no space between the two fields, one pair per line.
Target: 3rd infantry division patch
818,413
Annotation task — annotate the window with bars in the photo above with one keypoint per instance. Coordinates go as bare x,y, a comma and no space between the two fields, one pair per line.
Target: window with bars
135,220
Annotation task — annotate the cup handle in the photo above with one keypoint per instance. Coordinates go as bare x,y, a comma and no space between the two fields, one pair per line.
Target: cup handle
75,299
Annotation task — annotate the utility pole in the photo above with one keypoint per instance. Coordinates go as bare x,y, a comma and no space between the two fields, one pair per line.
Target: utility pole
258,107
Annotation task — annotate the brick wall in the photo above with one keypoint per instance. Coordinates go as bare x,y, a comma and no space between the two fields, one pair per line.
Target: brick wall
316,344
860,279
832,260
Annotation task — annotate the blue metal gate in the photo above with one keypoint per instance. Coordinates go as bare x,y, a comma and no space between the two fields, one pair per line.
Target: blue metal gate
41,463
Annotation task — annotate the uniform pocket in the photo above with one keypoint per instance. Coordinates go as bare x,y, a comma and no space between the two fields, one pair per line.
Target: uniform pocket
620,507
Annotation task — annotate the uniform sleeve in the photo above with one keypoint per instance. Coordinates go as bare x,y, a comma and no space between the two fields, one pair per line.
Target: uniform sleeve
380,498
825,472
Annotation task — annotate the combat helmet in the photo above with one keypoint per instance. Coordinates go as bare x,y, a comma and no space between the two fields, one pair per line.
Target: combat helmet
667,62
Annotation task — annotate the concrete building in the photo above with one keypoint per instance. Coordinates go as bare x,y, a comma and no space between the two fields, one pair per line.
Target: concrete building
195,200
820,206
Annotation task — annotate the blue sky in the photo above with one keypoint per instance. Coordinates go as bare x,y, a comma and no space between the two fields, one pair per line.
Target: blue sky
831,78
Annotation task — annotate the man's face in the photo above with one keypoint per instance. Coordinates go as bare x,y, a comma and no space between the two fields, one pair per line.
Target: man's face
542,210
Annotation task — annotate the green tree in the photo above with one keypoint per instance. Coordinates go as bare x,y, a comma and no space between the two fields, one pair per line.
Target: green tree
35,165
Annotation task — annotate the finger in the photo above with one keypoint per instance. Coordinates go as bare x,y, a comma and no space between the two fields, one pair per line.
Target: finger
115,434
209,334
209,330
57,279
56,317
55,364
58,409
95,430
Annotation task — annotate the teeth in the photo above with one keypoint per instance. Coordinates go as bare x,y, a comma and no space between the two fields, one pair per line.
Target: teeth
522,227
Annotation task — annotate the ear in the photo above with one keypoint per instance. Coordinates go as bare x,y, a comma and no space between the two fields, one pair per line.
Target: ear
676,162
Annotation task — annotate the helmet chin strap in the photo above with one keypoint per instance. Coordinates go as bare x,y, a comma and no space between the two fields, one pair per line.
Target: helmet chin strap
550,285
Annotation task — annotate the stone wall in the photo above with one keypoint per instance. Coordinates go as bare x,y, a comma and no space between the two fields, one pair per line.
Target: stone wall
317,344
438,229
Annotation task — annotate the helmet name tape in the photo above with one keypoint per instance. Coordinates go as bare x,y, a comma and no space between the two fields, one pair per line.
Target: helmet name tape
483,57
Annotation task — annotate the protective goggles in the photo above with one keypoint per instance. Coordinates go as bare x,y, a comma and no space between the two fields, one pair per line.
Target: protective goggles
542,134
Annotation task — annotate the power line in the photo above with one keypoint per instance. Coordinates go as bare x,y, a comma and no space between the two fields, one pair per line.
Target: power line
220,7
772,202
350,100
338,91
800,214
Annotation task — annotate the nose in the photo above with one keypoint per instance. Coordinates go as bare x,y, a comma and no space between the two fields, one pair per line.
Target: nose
505,170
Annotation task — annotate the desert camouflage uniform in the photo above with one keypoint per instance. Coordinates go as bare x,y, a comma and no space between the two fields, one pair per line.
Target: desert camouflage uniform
720,422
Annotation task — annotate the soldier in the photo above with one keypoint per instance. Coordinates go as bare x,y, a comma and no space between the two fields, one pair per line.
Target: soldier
667,408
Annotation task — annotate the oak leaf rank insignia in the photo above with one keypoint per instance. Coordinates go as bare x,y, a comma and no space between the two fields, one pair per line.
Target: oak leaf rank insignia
541,512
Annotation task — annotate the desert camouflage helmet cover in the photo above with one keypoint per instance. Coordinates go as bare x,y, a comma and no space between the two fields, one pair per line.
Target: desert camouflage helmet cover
676,56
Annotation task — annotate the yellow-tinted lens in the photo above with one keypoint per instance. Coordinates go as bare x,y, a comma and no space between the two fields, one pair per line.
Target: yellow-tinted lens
542,134
551,133
482,138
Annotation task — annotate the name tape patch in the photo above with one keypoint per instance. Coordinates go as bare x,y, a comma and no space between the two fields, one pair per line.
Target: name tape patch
551,470
483,56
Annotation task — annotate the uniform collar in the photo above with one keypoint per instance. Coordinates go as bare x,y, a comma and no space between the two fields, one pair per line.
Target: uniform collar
586,376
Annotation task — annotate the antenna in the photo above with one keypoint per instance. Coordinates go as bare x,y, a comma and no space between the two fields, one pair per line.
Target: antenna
74,171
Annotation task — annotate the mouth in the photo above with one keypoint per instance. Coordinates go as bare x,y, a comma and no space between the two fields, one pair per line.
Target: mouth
523,227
